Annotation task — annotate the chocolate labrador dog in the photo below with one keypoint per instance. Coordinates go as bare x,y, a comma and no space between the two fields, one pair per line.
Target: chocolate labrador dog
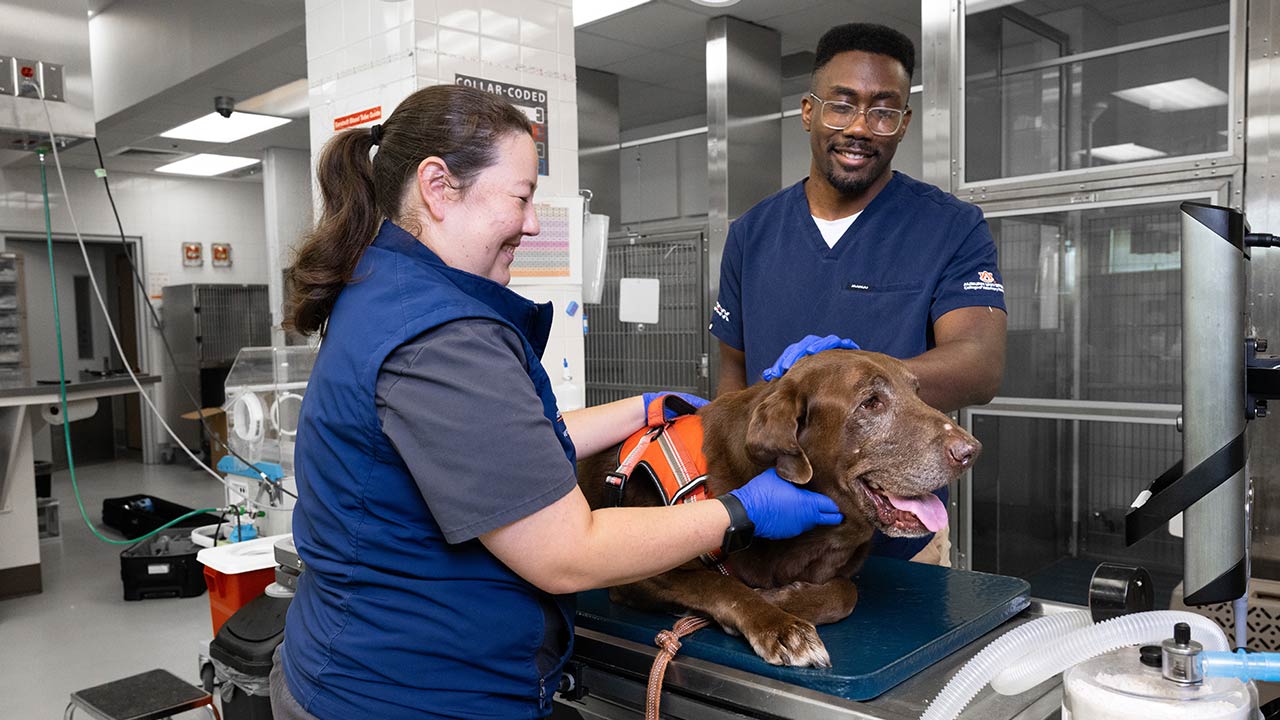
846,423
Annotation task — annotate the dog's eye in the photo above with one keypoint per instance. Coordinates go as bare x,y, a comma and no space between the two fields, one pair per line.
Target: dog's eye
871,403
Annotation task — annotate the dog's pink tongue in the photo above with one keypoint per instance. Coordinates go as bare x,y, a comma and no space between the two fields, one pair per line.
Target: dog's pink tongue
927,507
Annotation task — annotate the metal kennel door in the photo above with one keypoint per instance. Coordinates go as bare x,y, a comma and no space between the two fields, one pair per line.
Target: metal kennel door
625,359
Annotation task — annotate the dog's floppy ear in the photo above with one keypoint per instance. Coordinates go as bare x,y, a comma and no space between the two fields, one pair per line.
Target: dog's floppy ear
772,431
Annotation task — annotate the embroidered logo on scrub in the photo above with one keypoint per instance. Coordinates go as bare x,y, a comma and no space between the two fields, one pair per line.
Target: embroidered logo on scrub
721,312
986,281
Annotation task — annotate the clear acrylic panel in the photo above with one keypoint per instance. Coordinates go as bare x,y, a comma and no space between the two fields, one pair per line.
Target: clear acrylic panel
1056,85
1094,299
1050,496
264,390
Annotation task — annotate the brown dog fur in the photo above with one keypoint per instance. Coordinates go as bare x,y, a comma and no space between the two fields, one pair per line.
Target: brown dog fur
834,421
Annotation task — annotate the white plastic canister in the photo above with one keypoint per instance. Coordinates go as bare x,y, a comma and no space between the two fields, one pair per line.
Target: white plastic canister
1117,686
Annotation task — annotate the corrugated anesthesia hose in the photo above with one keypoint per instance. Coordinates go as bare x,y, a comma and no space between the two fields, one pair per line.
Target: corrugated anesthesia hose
997,656
1146,628
1032,653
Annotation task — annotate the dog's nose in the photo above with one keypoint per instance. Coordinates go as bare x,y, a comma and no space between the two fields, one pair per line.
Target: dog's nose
961,451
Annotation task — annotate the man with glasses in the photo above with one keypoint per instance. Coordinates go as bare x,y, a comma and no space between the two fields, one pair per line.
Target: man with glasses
859,251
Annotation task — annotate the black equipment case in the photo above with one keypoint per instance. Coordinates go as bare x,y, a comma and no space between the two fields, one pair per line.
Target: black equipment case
135,515
163,565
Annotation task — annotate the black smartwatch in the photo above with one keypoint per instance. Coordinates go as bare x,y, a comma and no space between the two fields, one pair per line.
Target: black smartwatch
741,529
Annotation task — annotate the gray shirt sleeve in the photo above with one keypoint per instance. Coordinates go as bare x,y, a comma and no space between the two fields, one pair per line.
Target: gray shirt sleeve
462,413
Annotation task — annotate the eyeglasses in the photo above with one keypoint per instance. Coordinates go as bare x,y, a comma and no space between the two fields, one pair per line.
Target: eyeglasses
840,115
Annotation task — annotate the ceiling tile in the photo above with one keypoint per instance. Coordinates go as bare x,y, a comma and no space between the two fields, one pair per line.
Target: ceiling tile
658,69
656,25
641,104
595,52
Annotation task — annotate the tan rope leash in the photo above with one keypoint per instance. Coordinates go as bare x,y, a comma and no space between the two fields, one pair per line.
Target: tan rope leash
669,641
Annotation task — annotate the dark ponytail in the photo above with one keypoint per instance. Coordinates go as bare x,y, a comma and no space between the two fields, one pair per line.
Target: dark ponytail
347,223
460,125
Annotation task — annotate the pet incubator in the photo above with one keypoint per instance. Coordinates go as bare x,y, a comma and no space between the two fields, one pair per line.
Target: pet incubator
264,392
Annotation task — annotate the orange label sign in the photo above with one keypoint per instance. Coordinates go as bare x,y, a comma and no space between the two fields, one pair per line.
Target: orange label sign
192,254
357,118
221,255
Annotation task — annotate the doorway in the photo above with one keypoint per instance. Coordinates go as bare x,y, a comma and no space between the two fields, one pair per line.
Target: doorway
87,347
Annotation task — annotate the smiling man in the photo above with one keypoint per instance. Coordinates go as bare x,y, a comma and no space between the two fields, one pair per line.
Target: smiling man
864,252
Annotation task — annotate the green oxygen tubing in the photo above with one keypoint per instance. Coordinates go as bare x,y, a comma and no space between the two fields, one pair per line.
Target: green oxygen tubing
62,379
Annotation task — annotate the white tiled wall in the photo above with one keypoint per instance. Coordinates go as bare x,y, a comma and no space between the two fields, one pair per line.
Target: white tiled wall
366,53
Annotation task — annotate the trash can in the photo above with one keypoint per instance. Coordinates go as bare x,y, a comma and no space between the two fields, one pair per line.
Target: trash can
236,574
44,478
241,657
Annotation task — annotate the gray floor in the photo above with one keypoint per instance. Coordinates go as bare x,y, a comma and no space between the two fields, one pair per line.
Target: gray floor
80,631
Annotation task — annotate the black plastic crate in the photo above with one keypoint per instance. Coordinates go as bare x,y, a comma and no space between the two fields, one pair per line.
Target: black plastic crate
135,515
163,565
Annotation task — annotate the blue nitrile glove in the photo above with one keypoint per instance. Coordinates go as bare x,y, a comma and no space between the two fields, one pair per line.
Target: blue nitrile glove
781,510
810,345
668,413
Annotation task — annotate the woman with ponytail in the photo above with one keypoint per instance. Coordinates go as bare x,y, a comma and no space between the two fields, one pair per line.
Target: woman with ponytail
439,519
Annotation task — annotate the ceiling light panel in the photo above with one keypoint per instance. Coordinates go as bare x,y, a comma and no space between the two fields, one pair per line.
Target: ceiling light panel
289,100
589,11
976,6
1184,94
213,128
1126,152
207,165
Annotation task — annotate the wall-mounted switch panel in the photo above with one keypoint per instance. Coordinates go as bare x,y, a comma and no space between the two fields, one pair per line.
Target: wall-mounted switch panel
51,81
17,76
27,72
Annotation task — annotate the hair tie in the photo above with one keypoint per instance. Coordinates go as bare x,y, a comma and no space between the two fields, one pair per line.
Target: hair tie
375,132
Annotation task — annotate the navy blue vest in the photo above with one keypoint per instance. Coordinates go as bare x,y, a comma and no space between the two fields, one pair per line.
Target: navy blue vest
389,619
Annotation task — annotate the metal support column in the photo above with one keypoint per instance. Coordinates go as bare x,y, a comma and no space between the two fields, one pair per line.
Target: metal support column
286,200
599,163
744,162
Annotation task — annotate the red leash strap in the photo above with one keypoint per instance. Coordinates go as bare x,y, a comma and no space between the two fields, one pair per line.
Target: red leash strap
669,641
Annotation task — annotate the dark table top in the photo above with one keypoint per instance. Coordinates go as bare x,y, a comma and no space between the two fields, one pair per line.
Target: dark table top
908,617
42,384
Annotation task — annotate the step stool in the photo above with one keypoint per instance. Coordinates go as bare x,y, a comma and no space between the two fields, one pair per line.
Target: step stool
150,695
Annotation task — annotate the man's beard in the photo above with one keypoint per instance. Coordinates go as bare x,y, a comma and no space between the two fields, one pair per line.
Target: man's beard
847,185
854,184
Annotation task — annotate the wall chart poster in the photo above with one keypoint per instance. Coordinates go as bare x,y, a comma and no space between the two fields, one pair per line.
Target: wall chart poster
531,101
547,254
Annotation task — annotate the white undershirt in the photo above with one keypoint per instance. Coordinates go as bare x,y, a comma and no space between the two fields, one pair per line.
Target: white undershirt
833,230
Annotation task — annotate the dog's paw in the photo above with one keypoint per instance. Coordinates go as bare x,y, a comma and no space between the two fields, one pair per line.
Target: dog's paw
819,604
794,642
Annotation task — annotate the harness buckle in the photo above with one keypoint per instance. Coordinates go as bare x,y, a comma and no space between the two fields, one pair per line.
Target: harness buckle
617,482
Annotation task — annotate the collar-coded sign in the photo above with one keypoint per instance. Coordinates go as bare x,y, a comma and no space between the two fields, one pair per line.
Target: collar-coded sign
530,101
357,118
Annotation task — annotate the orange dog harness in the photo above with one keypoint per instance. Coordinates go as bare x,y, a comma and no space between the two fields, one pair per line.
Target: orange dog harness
670,454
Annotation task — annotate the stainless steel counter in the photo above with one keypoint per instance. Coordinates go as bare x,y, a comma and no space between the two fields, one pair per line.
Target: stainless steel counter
615,671
38,391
